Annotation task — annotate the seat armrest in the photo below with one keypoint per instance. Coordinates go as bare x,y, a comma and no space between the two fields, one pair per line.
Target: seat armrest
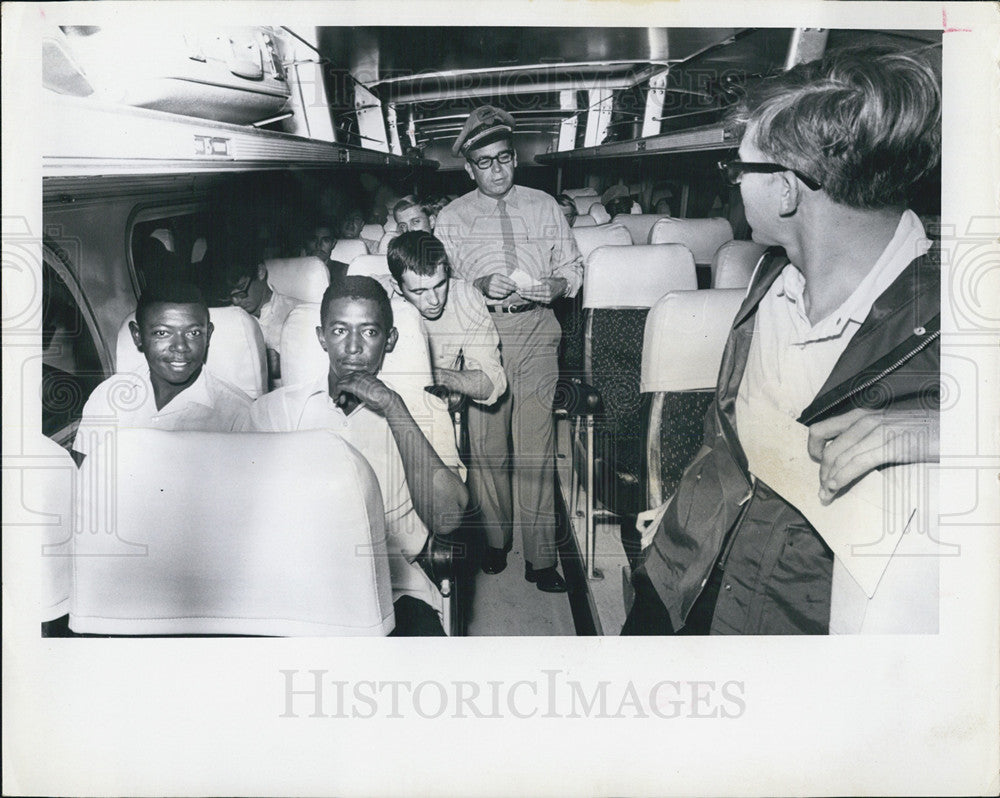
574,397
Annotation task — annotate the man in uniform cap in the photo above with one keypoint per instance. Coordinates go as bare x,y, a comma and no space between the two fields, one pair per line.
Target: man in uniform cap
514,245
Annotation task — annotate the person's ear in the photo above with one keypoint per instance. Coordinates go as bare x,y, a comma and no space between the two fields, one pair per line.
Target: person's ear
514,162
136,337
261,272
788,185
471,172
322,340
390,340
208,333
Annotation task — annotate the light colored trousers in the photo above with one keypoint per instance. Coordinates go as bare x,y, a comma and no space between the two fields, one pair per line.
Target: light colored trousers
519,492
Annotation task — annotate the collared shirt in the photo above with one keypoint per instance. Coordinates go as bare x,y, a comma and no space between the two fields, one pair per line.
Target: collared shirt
465,332
309,406
210,404
788,363
790,359
544,247
273,314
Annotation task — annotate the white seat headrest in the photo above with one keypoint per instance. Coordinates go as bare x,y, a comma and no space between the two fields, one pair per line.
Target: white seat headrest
40,483
636,208
590,238
586,191
584,220
734,263
636,276
221,559
685,336
702,236
376,266
304,279
236,352
347,249
598,213
638,224
383,244
373,232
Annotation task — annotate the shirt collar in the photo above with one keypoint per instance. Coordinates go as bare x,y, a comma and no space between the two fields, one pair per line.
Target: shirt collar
490,203
195,394
908,242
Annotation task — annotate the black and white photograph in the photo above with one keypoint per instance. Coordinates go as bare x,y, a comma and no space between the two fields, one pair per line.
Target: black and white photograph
644,353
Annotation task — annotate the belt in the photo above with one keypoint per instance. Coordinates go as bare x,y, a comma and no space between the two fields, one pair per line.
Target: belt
512,308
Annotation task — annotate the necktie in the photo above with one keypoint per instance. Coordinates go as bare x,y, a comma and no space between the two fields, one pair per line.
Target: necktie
507,233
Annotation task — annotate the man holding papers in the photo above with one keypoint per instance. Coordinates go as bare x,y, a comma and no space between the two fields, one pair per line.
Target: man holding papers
513,244
808,491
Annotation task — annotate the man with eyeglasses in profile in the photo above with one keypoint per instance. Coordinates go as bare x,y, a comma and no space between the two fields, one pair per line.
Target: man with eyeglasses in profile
241,279
514,245
837,343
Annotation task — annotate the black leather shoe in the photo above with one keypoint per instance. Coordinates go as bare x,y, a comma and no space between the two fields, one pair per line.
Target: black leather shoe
494,561
547,580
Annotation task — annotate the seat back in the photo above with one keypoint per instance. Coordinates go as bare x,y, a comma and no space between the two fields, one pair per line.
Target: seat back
683,342
638,224
283,535
584,220
236,353
304,279
702,236
372,232
734,263
590,238
598,213
620,284
347,249
383,242
38,483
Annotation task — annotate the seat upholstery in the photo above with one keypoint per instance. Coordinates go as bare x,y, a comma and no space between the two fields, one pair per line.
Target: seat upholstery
383,242
734,263
598,213
236,353
38,486
283,535
638,224
590,238
684,338
584,220
619,287
702,236
347,249
372,232
304,279
376,266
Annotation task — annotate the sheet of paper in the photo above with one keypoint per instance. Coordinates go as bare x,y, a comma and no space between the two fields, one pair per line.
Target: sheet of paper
862,525
522,279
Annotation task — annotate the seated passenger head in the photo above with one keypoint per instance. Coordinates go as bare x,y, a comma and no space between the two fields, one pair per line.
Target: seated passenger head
862,125
351,224
411,215
662,206
486,143
617,199
321,241
241,273
419,265
568,208
355,326
172,330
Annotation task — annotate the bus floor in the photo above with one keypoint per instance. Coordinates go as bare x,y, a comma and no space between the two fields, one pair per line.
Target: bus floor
506,604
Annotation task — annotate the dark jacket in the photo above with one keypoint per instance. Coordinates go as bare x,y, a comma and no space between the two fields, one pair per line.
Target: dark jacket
776,569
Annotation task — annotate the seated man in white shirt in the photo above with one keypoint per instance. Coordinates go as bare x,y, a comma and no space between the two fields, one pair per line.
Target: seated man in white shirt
421,493
176,391
412,215
245,285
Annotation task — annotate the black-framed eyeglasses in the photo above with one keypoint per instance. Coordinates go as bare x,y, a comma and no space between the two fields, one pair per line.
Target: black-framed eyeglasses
239,294
734,170
486,162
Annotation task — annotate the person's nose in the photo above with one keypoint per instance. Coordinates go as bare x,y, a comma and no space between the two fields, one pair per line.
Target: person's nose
354,344
496,167
179,344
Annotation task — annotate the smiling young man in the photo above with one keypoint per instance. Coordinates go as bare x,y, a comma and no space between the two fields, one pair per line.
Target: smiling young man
835,352
422,494
514,245
175,391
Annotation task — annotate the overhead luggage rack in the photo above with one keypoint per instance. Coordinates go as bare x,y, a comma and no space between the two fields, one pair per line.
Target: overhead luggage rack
87,138
709,137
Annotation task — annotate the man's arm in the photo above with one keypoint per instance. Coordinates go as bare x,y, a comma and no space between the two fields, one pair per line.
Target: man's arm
438,495
469,382
852,444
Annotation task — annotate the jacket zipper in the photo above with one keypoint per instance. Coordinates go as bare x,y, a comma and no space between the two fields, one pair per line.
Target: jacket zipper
872,380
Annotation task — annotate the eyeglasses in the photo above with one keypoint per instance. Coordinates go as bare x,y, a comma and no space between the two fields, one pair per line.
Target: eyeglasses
238,294
486,162
734,170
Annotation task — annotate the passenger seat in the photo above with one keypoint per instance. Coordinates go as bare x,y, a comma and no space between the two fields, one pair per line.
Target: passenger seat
734,263
702,236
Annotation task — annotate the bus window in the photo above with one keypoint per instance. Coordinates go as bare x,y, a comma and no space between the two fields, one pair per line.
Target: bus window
163,247
71,367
